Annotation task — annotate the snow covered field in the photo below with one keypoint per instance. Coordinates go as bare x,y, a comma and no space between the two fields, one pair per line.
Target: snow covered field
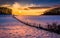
11,28
43,20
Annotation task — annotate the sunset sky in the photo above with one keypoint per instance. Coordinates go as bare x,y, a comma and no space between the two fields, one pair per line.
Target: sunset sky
18,6
35,2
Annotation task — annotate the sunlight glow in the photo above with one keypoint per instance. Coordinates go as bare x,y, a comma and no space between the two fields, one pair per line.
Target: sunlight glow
18,9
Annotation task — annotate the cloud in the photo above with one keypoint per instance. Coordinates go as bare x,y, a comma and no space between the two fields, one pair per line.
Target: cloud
32,2
32,5
18,5
5,5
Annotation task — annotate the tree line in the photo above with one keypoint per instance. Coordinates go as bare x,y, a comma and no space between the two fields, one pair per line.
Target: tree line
54,11
5,11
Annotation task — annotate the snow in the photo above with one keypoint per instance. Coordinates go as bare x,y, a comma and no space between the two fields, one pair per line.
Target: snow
16,29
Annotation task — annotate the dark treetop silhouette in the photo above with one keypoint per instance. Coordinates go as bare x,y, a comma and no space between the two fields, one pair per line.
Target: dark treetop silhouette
54,11
5,11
